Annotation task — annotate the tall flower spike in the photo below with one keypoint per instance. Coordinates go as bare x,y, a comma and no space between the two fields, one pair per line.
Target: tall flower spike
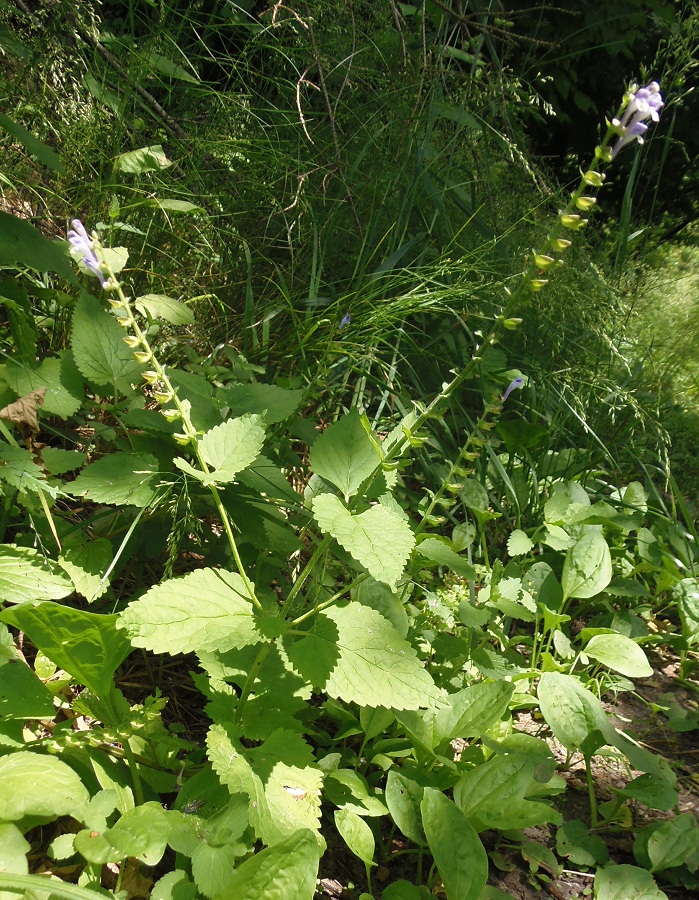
641,105
82,243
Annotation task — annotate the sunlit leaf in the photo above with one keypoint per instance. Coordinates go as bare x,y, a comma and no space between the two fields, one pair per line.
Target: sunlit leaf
345,455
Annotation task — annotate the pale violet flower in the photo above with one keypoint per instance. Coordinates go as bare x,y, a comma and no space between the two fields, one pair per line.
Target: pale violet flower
513,386
84,247
345,321
643,104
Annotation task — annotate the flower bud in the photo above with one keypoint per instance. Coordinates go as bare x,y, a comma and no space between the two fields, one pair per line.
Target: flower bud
132,341
560,244
573,222
585,203
143,356
172,415
536,284
163,396
151,377
594,179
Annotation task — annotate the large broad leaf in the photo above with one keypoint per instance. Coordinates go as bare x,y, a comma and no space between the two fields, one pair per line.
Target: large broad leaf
619,653
24,576
19,471
275,403
41,786
141,833
378,538
122,478
158,306
472,711
86,562
206,610
22,245
457,850
278,776
145,159
358,836
403,798
345,455
286,871
570,710
664,845
22,694
85,644
97,342
587,569
167,67
493,795
381,598
63,383
231,447
626,883
354,654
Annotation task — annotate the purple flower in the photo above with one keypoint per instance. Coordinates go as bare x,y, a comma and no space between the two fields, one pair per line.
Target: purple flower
345,321
513,386
84,245
643,104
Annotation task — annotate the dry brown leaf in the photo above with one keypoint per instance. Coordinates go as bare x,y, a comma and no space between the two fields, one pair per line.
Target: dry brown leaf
23,411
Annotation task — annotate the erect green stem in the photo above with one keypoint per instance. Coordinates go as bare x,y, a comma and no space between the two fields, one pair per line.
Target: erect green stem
306,571
250,680
190,433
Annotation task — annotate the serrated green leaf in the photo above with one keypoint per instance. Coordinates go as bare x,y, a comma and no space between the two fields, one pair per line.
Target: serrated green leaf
63,383
378,538
557,538
286,871
619,653
86,645
345,455
24,577
519,543
457,850
567,501
86,563
283,786
274,402
355,832
352,653
97,342
129,479
138,162
587,569
140,833
159,306
664,845
41,786
18,470
58,461
205,610
231,447
626,883
474,495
